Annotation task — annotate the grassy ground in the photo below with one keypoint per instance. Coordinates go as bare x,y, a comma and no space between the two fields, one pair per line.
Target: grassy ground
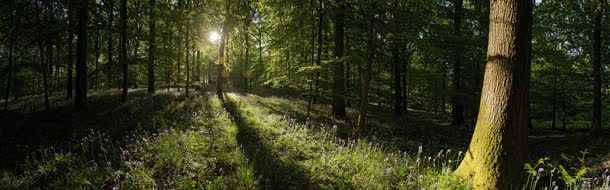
257,140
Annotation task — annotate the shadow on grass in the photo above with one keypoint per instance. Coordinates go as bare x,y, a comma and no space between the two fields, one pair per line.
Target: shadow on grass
22,134
276,174
406,132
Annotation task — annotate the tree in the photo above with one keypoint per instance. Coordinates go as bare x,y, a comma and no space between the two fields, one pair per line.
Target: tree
338,105
221,54
123,48
498,149
188,76
70,57
247,73
80,99
457,110
367,70
151,48
597,82
110,10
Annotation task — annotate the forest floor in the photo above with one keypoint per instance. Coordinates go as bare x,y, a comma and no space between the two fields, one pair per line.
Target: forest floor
262,139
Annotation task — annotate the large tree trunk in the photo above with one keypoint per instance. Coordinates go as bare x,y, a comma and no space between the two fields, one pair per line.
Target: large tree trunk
70,57
338,106
80,98
597,87
367,70
498,148
151,48
457,110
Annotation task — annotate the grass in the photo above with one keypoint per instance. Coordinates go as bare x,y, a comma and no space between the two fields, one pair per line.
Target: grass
257,140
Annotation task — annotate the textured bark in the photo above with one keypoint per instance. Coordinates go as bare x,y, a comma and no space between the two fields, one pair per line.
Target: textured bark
367,70
498,149
338,105
151,48
597,65
457,110
80,98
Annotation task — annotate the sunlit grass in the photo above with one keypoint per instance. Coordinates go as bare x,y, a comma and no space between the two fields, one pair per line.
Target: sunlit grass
247,141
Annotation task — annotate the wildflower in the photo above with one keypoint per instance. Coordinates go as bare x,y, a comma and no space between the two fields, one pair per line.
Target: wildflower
420,150
389,170
540,170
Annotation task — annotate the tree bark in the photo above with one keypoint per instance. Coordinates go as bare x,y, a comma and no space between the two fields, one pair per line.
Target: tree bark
80,98
457,110
498,149
338,106
151,48
597,82
367,70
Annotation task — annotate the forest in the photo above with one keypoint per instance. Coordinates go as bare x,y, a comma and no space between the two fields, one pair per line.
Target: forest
305,94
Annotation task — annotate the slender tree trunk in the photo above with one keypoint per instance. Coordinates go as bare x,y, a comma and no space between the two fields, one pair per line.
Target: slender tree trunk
110,42
396,76
10,72
313,50
338,106
70,55
177,83
48,68
367,70
247,73
457,110
404,75
80,98
123,44
597,87
97,59
188,74
498,149
555,114
221,57
151,47
320,38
